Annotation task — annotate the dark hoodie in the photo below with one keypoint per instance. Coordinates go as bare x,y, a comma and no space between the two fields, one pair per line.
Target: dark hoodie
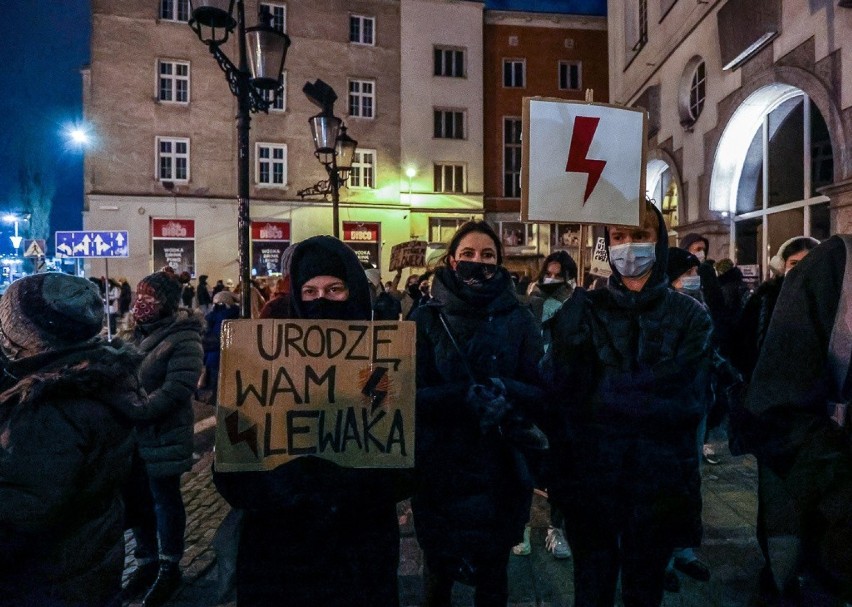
315,533
65,447
631,376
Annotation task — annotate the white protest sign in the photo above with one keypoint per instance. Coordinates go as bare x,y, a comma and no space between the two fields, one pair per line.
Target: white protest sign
339,390
600,260
582,162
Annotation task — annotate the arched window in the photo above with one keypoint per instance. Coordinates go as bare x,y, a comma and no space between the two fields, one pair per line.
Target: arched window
775,153
661,187
693,91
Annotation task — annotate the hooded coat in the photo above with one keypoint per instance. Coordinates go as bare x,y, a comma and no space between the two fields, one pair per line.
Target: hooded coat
169,373
315,533
631,373
65,450
473,489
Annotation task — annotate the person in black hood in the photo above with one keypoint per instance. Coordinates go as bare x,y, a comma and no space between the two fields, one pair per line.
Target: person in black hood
315,533
477,355
629,366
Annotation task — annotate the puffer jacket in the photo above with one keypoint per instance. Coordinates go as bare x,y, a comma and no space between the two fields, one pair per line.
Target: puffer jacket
473,492
65,450
631,377
169,373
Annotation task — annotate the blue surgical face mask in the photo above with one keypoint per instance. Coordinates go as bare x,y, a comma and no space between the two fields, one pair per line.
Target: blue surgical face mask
633,259
690,283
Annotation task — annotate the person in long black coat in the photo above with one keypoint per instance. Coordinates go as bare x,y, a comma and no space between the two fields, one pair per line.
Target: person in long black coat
313,532
65,445
630,368
473,485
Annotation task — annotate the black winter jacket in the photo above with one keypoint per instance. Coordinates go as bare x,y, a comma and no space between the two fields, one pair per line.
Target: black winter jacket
473,492
169,373
65,450
631,372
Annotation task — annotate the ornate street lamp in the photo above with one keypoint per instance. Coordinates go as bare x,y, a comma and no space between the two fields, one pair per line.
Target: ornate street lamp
333,148
262,51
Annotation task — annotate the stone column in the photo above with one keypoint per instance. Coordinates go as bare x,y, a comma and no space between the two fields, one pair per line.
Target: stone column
840,205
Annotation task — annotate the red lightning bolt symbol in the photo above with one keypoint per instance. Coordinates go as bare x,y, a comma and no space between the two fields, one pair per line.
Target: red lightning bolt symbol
581,139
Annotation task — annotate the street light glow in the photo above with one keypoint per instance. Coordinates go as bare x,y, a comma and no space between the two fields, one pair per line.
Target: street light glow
410,172
79,136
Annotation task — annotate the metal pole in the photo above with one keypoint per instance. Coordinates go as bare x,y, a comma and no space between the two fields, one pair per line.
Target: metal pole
243,126
106,295
335,198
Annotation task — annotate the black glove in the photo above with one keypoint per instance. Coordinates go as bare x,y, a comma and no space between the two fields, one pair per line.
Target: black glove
488,403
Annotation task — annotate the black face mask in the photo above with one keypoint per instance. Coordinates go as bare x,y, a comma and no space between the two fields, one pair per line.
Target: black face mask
474,273
414,291
323,308
549,288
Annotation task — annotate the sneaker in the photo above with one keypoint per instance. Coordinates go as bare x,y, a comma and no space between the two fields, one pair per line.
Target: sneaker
709,455
524,548
556,544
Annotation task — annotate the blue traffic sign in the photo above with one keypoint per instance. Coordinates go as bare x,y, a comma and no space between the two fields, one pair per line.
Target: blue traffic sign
92,244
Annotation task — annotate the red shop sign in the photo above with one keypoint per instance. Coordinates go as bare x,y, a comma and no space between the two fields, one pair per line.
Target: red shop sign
270,230
173,228
360,232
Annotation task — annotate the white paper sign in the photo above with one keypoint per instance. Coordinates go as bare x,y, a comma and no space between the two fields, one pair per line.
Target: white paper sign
583,162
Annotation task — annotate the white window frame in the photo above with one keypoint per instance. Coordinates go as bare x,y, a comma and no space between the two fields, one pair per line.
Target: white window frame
697,84
566,67
363,174
279,15
272,162
443,189
174,156
448,117
506,147
513,62
361,95
362,19
280,104
174,77
174,13
444,69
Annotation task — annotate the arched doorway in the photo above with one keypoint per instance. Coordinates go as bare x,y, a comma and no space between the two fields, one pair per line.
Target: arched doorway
773,156
661,186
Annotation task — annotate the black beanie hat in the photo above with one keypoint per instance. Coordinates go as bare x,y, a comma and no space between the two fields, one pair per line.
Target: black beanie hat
316,261
48,312
680,261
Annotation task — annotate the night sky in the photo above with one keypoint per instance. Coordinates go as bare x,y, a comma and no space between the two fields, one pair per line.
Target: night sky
45,44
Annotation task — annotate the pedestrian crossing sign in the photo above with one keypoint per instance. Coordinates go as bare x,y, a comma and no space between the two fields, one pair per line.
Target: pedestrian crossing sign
34,248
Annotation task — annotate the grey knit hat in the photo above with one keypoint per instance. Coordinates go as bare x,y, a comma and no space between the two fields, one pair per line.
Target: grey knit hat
48,312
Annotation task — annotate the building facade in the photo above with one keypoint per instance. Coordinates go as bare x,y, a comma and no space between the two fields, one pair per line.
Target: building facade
164,165
749,117
529,54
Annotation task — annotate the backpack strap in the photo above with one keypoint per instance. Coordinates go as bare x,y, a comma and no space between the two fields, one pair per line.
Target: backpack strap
840,344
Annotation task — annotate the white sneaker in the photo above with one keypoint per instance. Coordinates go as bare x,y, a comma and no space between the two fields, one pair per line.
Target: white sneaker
556,544
524,548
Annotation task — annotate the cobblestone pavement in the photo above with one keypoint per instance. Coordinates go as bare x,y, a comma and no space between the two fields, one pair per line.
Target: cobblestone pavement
537,580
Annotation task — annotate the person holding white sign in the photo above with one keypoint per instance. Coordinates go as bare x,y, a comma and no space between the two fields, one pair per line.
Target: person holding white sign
630,369
315,533
477,355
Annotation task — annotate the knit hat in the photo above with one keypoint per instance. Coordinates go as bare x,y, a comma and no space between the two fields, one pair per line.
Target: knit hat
48,312
680,261
224,297
691,239
315,261
164,289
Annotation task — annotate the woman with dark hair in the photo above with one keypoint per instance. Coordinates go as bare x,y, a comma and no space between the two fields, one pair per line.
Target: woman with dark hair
477,355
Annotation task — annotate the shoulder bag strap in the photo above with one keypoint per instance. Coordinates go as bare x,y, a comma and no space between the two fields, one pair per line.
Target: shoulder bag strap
456,346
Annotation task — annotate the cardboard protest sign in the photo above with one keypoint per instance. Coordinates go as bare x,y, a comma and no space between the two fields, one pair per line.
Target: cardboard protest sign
411,254
582,162
600,260
339,390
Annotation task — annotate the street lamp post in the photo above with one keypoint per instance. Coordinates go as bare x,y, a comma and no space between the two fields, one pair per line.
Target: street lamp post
262,51
334,148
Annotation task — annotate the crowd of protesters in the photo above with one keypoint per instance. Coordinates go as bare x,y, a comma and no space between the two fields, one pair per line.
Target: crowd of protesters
604,397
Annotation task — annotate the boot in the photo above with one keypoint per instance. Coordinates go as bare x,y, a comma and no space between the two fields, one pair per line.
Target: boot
168,581
140,580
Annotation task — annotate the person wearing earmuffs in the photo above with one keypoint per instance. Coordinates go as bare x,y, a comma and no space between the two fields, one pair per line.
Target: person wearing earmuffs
751,334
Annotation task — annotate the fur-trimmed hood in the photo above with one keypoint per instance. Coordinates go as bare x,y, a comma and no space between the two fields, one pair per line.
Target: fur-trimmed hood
97,370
